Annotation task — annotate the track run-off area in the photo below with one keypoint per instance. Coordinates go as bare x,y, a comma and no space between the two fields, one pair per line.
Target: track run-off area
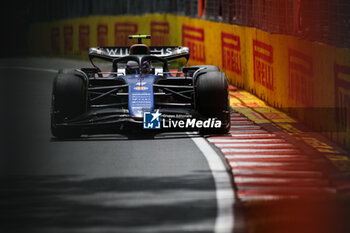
269,174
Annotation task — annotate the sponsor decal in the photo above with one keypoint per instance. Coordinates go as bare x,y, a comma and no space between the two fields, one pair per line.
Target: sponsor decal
102,35
263,64
231,52
140,83
151,120
68,38
192,123
193,38
158,51
163,51
55,39
122,32
141,88
155,120
300,77
342,94
84,38
160,33
140,101
117,51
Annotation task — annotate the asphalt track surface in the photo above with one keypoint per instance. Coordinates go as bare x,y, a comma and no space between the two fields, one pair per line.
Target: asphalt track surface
105,183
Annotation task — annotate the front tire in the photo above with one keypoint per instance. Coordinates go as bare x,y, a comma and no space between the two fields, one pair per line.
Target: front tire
213,100
68,102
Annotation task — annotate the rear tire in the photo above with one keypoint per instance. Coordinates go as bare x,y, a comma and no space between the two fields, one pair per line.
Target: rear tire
213,100
68,102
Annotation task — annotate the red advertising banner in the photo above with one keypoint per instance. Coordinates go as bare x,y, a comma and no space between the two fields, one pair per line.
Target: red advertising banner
122,32
160,33
84,38
102,35
231,52
263,64
55,40
68,38
300,77
193,38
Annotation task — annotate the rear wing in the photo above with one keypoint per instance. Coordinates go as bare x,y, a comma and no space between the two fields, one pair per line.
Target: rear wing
167,52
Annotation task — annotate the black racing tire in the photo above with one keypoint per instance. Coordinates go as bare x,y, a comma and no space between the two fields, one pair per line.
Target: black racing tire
68,101
213,101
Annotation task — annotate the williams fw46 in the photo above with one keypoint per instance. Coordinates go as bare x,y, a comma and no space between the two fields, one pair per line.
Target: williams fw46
140,90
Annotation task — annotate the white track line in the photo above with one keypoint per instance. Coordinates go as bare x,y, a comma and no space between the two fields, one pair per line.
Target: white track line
282,180
236,164
237,150
252,156
279,173
244,126
242,122
29,68
266,197
248,131
234,140
267,135
224,191
255,145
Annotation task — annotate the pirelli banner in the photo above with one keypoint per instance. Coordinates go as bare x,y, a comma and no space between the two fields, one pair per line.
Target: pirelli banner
285,71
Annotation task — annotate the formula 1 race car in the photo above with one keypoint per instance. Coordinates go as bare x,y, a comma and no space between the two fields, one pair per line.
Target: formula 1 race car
142,89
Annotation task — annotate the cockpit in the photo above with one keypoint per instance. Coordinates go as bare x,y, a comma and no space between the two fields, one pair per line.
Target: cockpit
132,67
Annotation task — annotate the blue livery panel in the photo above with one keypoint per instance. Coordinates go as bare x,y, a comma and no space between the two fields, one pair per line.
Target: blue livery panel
140,93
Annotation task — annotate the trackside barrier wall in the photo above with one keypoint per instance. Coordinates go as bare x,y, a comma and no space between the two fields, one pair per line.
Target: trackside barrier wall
309,79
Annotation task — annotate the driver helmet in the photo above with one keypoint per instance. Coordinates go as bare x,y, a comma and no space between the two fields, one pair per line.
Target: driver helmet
132,67
146,67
